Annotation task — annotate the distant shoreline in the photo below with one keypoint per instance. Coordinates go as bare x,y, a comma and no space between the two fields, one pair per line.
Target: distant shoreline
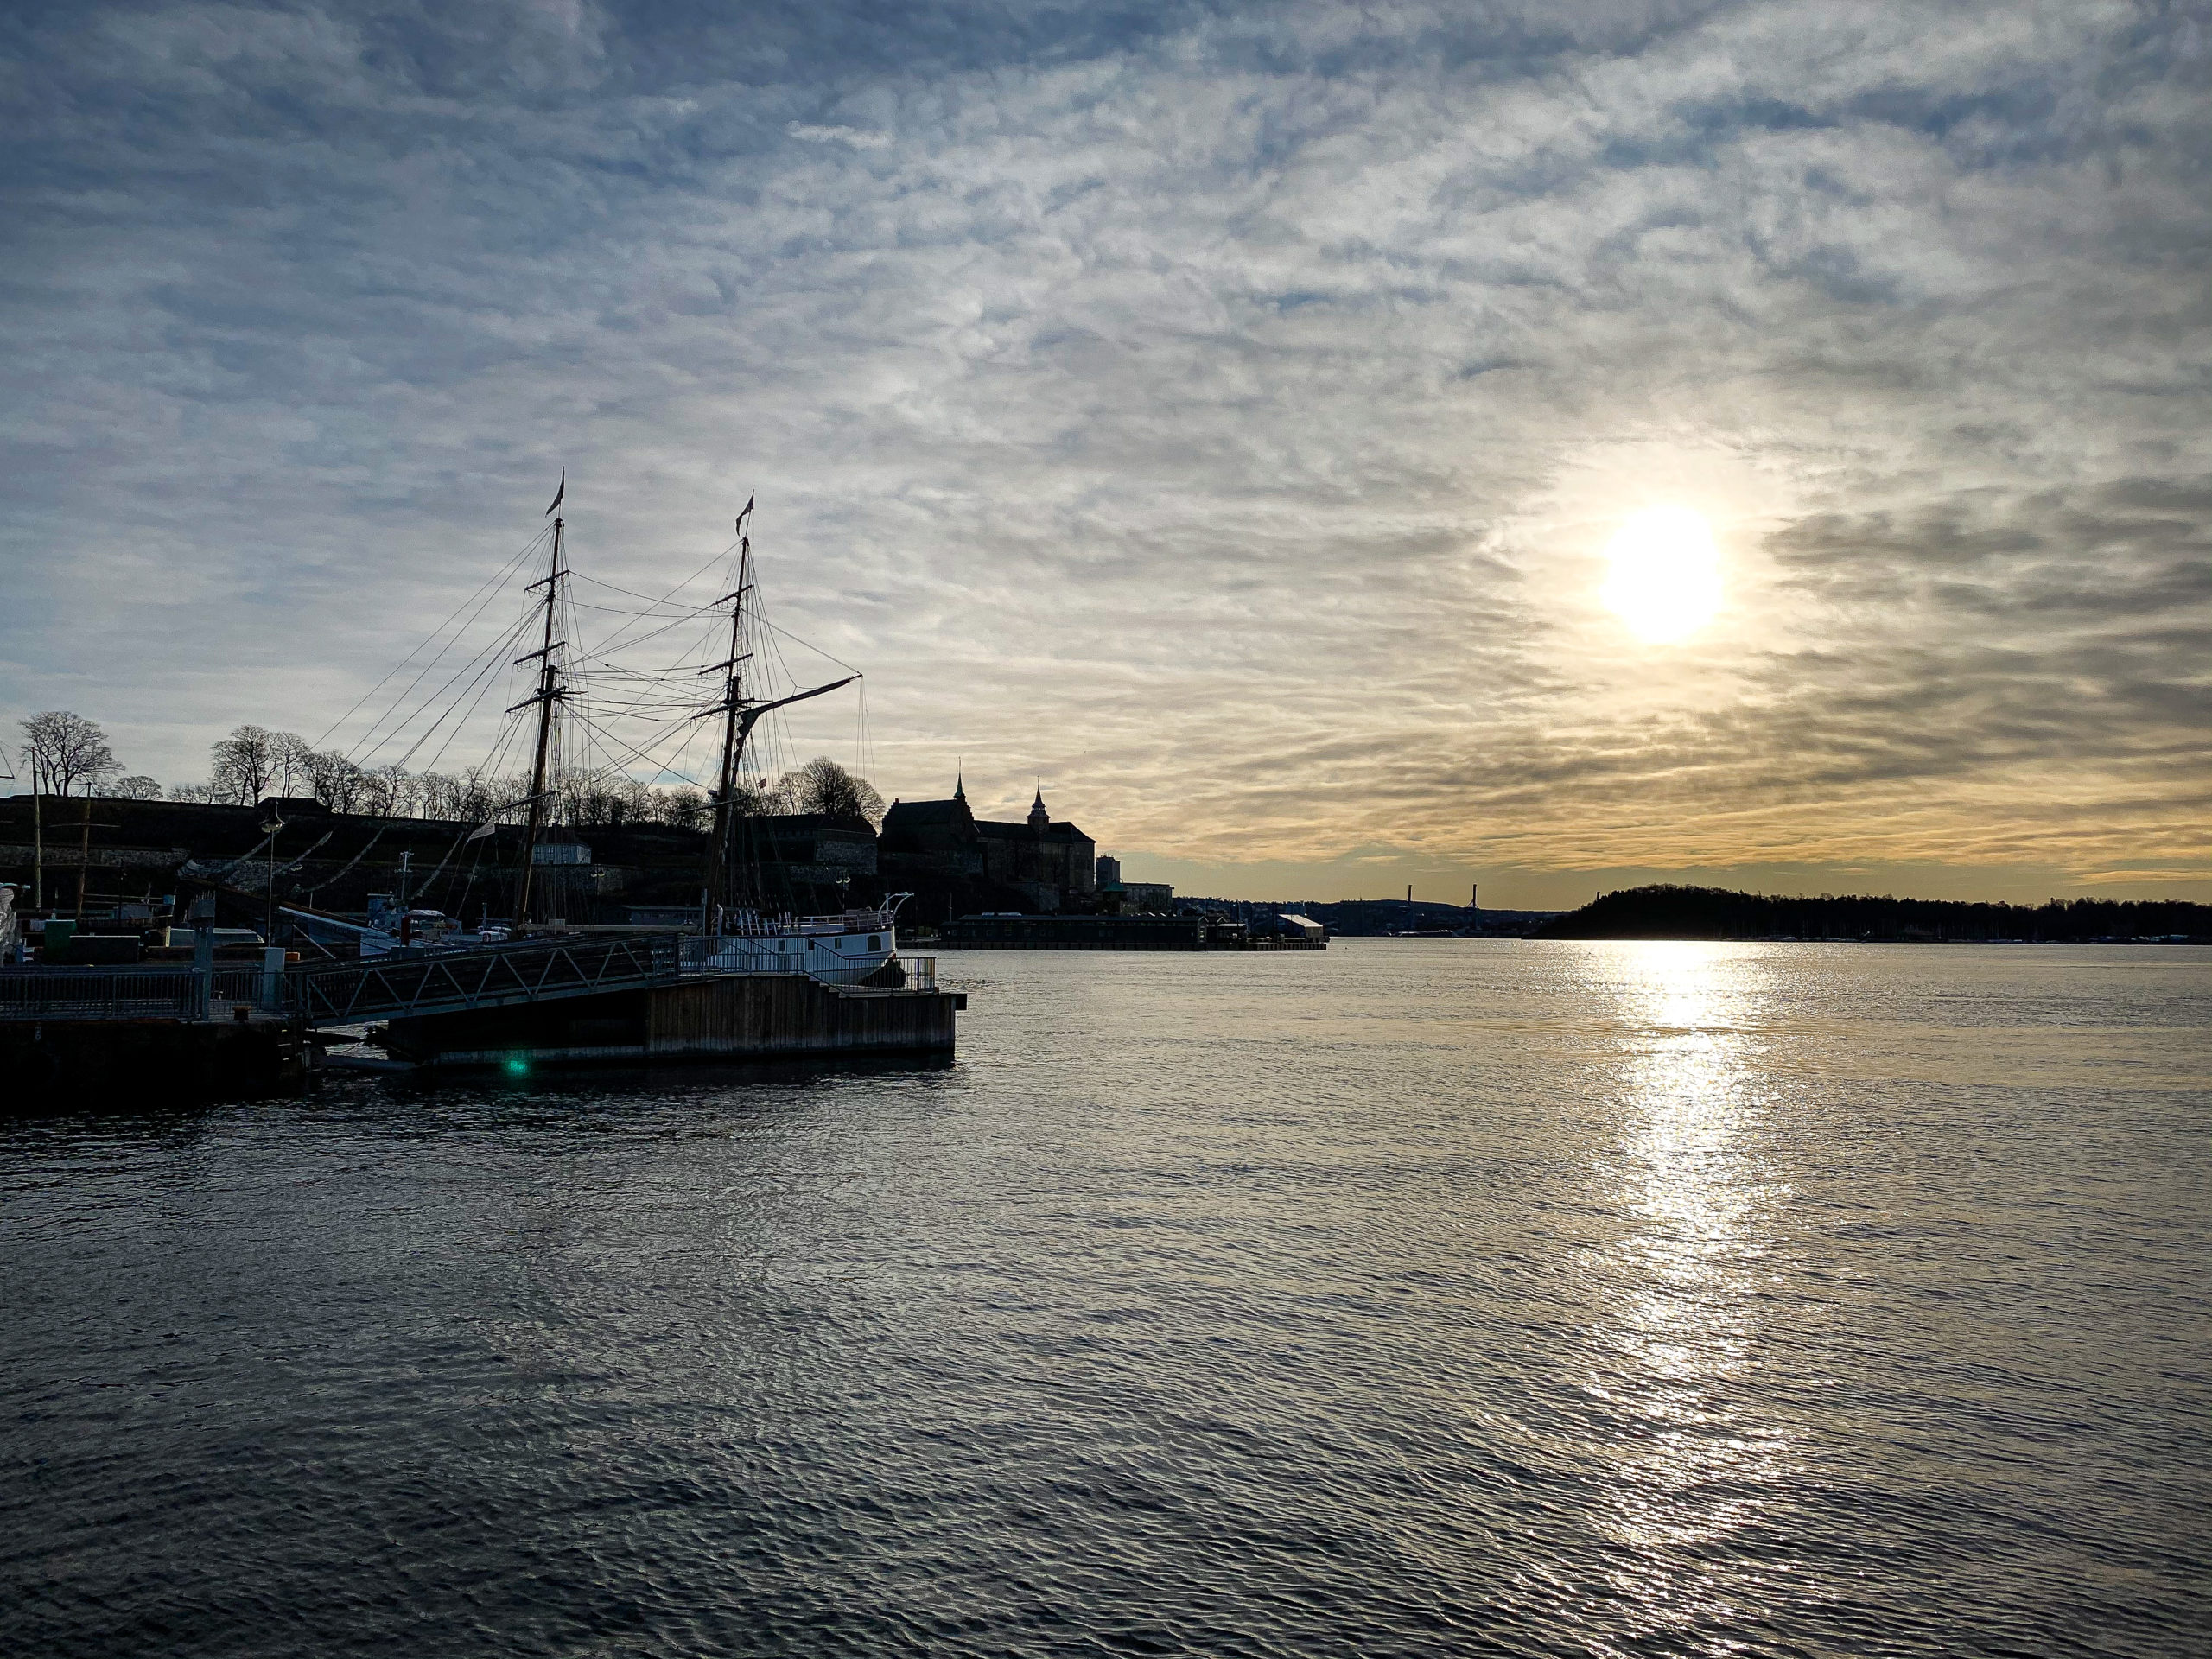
1664,911
1683,913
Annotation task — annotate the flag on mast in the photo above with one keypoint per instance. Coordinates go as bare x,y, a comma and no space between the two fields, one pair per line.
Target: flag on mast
747,513
559,492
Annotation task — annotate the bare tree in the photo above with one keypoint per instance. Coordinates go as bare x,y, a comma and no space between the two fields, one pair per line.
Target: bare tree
384,793
574,797
756,798
684,808
245,763
823,786
402,788
433,793
137,787
65,749
372,794
291,757
335,780
585,798
478,798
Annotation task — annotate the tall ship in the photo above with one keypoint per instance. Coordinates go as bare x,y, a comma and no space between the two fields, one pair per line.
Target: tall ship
739,933
742,923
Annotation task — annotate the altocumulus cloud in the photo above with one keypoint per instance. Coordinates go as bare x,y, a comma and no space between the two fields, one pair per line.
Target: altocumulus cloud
852,136
1217,410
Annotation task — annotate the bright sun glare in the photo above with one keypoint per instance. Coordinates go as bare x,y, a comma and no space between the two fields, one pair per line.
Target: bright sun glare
1665,582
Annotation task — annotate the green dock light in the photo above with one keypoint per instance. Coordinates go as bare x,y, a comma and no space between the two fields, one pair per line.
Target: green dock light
517,1066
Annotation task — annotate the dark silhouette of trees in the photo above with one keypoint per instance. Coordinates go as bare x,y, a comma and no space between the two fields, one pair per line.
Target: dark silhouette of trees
65,750
1666,912
244,765
823,787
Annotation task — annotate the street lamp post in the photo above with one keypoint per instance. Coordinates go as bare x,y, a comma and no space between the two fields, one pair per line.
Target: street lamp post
269,913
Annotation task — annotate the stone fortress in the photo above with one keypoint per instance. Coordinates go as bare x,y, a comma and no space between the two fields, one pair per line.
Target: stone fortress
955,861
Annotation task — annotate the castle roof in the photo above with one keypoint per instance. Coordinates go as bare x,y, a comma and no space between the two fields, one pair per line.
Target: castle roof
916,813
1000,829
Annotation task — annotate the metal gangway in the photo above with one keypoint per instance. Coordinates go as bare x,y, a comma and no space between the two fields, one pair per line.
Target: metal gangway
402,985
405,985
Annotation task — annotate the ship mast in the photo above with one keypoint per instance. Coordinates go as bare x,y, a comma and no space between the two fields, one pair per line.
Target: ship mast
740,714
735,730
549,692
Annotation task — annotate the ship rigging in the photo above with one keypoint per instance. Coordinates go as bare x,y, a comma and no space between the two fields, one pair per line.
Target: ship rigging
634,732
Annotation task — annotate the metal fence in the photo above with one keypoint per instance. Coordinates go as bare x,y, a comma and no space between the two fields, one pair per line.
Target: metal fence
130,994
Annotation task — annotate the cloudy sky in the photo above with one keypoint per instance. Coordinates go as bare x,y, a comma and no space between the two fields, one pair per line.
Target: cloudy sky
1221,412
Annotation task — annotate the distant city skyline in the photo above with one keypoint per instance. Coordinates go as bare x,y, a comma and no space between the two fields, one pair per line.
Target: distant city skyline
1229,415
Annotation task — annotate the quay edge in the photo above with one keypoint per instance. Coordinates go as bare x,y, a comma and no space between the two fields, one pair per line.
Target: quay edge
62,1062
723,1018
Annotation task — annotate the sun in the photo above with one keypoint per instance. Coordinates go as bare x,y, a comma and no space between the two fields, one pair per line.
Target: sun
1665,582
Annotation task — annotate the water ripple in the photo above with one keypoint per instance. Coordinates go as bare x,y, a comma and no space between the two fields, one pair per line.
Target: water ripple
1419,1298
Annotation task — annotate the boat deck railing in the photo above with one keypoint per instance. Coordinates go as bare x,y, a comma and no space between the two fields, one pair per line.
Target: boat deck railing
747,925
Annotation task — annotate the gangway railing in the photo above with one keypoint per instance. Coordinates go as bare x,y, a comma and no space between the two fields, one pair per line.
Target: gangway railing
404,985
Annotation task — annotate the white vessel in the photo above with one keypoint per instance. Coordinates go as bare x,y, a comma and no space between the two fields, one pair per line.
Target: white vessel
841,950
389,929
425,930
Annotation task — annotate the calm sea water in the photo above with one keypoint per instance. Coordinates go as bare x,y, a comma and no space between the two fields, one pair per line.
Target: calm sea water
1415,1298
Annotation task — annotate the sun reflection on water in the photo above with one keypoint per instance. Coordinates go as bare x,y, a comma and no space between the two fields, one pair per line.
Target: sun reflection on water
1694,1458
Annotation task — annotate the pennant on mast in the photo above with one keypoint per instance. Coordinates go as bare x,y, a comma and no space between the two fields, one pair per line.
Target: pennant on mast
559,494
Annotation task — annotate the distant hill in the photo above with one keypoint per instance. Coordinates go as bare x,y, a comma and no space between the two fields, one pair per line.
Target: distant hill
1678,913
